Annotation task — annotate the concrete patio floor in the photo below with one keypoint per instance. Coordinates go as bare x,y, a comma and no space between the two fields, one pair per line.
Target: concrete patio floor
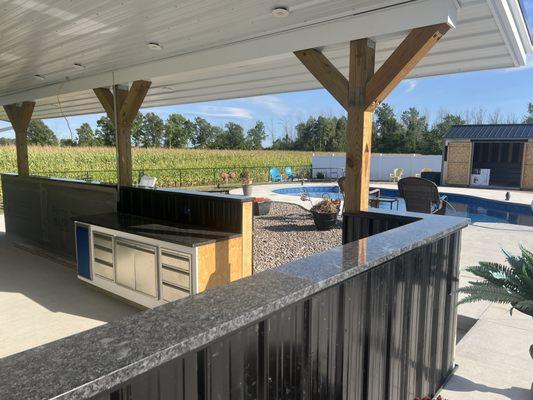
493,356
42,300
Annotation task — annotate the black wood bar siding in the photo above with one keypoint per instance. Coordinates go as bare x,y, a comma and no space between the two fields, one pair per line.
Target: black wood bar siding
359,226
388,333
210,210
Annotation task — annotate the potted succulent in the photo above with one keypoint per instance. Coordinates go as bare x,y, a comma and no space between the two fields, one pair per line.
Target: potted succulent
325,214
247,181
261,206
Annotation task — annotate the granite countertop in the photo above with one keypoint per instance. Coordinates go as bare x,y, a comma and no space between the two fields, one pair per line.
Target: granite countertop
186,235
86,364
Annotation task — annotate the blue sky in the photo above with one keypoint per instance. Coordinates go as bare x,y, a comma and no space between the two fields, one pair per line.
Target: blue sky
506,91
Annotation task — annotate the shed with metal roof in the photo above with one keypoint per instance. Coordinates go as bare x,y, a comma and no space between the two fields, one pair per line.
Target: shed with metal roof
496,155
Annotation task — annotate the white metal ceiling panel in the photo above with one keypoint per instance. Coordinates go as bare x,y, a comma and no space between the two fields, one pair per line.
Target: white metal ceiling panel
48,37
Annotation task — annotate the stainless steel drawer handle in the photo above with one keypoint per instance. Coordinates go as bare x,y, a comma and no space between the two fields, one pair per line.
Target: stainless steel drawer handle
175,256
135,247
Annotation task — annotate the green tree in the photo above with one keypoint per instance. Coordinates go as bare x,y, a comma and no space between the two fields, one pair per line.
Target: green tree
432,141
255,136
40,134
529,117
284,143
338,142
415,127
387,134
152,130
136,131
232,137
67,143
179,131
85,135
204,133
105,132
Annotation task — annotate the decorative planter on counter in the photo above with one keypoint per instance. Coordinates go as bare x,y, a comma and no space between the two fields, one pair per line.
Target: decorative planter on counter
247,190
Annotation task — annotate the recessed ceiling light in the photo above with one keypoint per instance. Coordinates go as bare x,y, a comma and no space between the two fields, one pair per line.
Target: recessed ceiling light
39,77
280,12
79,66
154,46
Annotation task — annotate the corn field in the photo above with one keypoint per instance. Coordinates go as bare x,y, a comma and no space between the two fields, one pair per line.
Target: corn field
171,167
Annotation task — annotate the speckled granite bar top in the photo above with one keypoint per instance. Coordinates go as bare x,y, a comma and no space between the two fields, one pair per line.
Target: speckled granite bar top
88,363
186,235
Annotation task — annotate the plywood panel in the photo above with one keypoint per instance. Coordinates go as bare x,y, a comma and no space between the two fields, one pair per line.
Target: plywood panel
528,156
459,152
247,242
527,177
527,167
219,263
459,159
458,174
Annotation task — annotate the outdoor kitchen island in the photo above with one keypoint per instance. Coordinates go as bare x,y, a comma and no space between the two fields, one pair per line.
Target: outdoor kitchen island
164,245
150,262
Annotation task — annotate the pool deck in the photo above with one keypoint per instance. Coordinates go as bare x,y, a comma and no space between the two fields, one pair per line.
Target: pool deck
517,196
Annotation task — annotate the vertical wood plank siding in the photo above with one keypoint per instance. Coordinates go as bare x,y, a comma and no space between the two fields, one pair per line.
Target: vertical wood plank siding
388,333
187,208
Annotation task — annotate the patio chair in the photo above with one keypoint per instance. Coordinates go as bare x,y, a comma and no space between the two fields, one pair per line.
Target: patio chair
396,174
419,175
290,175
275,176
147,182
421,195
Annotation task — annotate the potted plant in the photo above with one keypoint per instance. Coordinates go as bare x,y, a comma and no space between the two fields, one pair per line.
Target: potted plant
325,214
261,206
505,284
247,181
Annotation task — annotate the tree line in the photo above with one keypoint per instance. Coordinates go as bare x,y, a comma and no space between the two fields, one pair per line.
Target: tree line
410,132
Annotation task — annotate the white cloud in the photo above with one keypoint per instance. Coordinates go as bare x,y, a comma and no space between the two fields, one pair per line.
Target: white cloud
220,112
272,103
410,85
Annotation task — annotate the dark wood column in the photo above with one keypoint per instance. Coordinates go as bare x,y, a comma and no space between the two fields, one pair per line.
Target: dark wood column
20,116
127,103
362,92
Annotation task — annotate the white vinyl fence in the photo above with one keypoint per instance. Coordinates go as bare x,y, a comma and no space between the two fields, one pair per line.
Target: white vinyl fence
332,165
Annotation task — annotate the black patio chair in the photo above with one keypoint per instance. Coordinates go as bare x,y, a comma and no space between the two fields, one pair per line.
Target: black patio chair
421,195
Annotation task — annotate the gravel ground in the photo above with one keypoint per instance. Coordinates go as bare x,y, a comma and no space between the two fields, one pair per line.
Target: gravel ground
288,233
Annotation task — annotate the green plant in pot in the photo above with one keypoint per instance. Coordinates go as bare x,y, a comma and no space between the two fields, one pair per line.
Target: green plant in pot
505,284
325,213
247,181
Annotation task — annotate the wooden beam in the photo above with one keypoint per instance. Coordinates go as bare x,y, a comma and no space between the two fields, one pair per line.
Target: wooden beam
134,100
105,97
359,127
127,103
326,73
20,116
402,61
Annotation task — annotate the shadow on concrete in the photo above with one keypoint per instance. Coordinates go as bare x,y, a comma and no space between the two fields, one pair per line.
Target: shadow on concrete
459,384
53,286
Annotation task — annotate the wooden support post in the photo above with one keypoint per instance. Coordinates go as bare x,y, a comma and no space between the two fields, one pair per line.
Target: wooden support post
127,103
362,92
20,116
359,127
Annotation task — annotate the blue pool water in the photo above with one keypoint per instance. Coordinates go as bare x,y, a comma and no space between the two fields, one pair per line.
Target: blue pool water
475,208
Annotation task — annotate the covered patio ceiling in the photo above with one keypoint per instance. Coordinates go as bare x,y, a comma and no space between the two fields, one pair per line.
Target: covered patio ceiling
220,49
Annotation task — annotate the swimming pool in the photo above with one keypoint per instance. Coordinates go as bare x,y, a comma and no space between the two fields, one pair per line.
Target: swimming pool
475,208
